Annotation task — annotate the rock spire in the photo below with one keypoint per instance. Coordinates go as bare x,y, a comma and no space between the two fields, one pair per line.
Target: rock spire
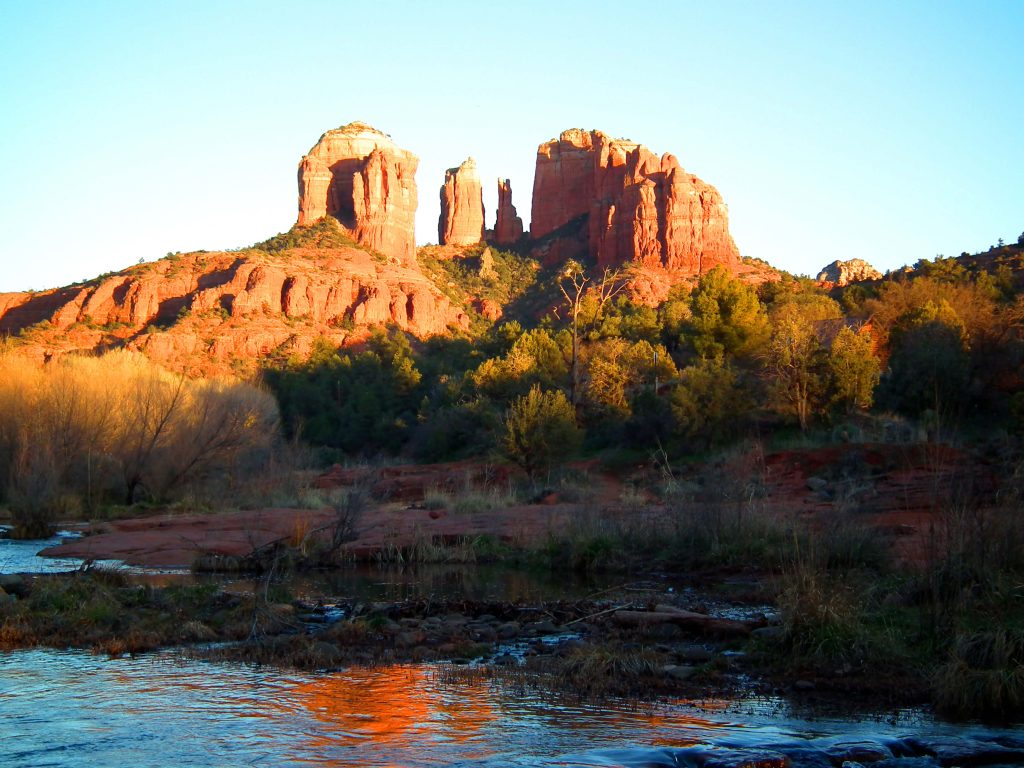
508,228
462,206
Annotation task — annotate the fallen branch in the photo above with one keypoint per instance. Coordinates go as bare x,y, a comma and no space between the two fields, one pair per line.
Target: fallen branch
698,622
595,615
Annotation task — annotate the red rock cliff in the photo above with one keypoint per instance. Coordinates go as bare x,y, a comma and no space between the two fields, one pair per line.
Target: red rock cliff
508,228
462,206
213,312
625,204
362,178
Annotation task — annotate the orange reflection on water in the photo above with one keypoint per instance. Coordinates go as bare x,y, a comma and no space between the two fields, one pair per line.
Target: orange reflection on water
399,705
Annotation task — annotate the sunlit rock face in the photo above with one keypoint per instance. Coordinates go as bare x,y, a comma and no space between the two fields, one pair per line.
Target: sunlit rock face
462,206
208,312
362,178
508,228
621,203
845,272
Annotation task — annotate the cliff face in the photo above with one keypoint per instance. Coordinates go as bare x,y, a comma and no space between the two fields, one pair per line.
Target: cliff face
618,202
214,312
362,178
508,228
462,206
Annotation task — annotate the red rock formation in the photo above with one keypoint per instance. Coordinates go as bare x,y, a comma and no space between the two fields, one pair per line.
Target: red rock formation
462,206
508,229
635,207
362,178
845,272
205,312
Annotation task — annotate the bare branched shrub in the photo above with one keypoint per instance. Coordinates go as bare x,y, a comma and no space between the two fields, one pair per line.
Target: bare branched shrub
120,426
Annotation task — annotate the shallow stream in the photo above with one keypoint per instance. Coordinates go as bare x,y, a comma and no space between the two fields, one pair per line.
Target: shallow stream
69,709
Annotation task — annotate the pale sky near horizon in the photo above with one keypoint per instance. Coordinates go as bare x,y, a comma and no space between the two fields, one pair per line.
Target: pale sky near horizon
876,130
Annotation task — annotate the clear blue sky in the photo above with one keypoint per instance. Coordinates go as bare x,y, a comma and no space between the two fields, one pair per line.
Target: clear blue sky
885,131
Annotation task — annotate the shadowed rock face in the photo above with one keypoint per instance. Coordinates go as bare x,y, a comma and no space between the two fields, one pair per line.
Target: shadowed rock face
508,228
362,178
462,206
622,203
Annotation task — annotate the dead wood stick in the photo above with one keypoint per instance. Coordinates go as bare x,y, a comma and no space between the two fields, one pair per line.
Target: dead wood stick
599,613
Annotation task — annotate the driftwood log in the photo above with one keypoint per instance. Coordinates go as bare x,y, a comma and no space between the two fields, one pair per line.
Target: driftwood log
688,620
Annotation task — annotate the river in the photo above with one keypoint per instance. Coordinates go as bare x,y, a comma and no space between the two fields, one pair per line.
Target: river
69,708
72,709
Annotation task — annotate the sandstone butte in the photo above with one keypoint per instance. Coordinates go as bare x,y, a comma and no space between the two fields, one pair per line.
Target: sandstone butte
840,273
508,228
462,206
362,178
619,203
203,312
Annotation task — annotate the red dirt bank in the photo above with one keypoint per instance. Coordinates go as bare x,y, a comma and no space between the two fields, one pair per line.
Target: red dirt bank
898,489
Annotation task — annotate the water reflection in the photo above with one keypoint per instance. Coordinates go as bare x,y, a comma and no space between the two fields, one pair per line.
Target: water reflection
395,709
72,709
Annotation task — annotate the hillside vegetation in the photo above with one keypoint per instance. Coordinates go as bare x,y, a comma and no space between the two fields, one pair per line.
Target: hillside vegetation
935,348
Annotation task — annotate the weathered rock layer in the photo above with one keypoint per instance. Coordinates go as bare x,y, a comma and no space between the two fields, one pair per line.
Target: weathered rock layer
362,178
207,312
621,203
462,206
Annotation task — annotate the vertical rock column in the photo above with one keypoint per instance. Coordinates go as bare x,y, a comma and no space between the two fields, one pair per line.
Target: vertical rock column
508,229
462,206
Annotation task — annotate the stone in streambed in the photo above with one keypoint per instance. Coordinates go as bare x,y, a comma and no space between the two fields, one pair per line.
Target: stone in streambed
509,630
678,672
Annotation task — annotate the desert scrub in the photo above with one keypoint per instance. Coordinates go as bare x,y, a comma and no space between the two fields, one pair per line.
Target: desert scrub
715,534
983,677
609,670
101,610
823,620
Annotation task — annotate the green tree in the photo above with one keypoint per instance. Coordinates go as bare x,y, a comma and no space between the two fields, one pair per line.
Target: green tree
540,429
629,320
795,358
709,404
929,364
854,371
728,318
943,269
614,370
360,402
674,316
585,308
535,358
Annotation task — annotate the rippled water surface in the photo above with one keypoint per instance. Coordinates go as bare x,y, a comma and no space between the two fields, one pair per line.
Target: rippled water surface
22,556
71,709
